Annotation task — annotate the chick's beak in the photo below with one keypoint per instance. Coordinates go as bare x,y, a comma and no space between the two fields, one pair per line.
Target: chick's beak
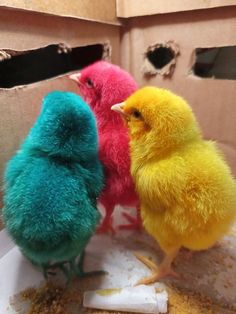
75,77
119,108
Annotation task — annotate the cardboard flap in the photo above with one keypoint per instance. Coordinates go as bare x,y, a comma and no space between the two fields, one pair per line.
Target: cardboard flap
132,8
96,10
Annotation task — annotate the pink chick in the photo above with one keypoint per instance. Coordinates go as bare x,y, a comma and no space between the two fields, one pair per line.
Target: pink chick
102,85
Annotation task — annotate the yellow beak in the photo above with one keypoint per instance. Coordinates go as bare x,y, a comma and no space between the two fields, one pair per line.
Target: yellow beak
119,108
75,77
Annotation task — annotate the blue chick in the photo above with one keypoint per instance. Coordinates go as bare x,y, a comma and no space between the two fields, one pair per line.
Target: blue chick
52,183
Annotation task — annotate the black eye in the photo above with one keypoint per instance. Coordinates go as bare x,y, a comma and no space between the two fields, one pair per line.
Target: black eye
136,114
89,83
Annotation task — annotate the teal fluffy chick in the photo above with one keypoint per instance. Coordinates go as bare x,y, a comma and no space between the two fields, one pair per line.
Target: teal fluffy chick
52,183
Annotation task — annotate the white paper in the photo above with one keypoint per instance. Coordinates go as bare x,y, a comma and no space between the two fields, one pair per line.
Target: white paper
16,273
103,252
5,243
138,299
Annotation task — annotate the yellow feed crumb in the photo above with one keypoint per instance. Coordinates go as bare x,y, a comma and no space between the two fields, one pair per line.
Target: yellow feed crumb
51,299
54,299
187,302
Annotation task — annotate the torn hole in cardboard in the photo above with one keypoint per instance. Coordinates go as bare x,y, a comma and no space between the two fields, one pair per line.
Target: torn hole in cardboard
19,68
160,59
215,62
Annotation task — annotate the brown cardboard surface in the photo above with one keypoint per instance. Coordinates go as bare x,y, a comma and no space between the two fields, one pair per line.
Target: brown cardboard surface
131,8
95,10
213,101
21,30
19,109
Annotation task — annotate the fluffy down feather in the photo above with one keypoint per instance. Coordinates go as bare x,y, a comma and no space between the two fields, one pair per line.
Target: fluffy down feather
186,189
102,85
52,183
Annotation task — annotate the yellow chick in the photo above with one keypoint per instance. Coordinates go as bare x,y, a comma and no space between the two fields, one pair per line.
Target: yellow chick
187,191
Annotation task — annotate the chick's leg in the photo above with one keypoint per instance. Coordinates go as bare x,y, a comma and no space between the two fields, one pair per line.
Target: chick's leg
135,223
161,271
79,269
49,269
107,223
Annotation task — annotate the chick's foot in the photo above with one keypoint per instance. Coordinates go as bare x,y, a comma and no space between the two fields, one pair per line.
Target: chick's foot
134,223
79,268
158,272
106,226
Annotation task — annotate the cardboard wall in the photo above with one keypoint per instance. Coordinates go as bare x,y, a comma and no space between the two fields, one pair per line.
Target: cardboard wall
95,10
22,30
213,100
132,8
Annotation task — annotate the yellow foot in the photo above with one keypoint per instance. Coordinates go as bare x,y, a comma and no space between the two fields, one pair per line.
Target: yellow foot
157,272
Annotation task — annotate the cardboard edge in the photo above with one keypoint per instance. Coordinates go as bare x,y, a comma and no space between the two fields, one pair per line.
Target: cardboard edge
118,23
148,68
125,9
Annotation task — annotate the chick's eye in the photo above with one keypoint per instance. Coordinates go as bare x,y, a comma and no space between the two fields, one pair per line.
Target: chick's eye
89,83
136,114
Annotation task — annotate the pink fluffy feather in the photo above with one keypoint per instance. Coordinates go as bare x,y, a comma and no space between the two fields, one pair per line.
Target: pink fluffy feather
103,85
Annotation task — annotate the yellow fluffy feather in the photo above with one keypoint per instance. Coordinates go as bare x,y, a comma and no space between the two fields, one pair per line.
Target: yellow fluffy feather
187,192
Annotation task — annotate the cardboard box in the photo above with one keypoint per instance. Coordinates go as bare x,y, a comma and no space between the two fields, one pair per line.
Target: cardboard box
164,24
24,34
130,32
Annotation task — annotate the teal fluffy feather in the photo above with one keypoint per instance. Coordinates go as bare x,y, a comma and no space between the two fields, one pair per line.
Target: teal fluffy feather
52,182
